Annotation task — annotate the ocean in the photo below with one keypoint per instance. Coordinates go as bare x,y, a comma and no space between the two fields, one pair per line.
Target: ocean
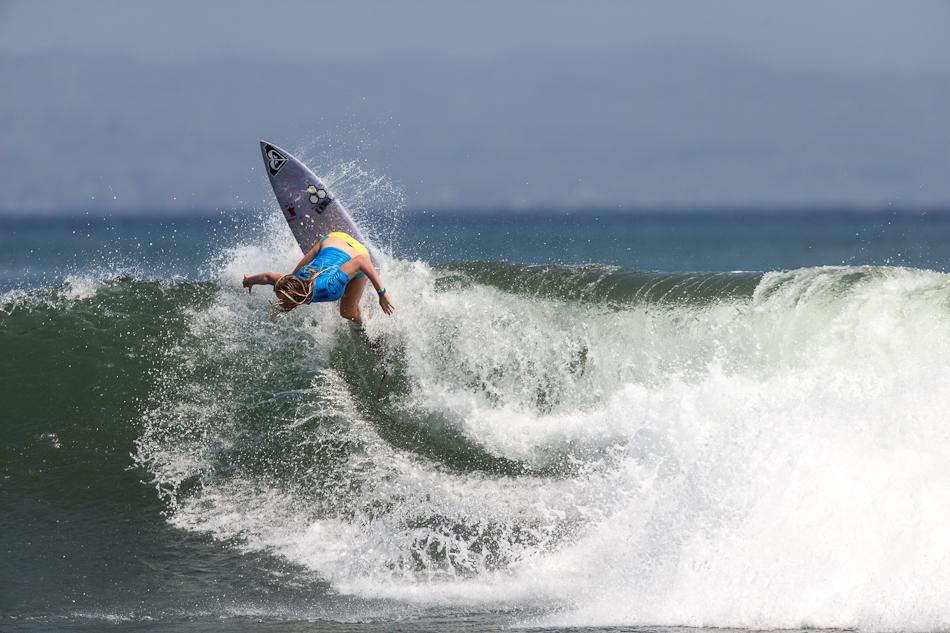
586,420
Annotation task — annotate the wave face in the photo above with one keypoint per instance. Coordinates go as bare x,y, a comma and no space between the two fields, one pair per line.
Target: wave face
606,446
589,445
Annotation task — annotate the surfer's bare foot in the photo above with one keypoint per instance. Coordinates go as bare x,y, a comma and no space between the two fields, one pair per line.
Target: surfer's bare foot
247,284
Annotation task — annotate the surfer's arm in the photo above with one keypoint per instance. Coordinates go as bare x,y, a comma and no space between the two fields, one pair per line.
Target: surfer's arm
308,257
367,267
260,279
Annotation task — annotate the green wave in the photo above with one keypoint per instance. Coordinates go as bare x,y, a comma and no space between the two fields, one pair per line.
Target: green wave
599,284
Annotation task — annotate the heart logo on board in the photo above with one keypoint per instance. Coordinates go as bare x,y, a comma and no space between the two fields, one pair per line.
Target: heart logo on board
275,160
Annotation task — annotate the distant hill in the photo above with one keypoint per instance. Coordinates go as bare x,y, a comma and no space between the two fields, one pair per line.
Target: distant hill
651,127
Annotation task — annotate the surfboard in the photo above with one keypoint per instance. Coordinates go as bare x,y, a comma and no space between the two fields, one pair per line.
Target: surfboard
310,208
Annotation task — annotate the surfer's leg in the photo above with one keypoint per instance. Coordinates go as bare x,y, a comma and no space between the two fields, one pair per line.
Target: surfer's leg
350,302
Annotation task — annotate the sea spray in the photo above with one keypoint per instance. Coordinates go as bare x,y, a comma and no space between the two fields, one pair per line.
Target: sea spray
768,454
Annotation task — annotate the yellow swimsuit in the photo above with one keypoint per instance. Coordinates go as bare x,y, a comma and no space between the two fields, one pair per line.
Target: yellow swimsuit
351,241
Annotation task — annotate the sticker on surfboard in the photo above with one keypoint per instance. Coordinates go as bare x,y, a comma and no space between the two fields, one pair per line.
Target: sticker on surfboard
319,197
275,160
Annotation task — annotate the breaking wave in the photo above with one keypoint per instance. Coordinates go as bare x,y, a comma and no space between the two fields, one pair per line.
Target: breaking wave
582,445
597,445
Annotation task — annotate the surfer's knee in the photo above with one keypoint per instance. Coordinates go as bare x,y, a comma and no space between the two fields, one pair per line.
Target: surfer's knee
351,312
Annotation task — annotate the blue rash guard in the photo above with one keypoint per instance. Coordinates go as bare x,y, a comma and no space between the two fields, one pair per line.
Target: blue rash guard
330,282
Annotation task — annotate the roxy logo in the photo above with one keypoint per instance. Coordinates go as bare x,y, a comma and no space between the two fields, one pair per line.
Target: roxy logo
275,160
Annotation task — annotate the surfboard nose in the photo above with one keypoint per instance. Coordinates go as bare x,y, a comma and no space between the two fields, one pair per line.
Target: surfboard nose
274,157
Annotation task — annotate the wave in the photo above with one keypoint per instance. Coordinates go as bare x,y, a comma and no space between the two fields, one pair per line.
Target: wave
599,284
597,445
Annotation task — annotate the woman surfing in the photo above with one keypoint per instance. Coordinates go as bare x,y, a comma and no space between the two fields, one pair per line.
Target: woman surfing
335,269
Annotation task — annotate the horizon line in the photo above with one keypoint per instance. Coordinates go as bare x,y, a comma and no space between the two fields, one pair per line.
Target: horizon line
533,210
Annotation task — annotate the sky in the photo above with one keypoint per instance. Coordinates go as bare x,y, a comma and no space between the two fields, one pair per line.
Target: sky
849,34
535,103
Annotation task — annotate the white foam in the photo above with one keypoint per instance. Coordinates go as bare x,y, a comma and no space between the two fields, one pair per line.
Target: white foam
74,288
80,287
779,461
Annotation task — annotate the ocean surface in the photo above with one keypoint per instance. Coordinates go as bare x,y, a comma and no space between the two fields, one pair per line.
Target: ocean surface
584,420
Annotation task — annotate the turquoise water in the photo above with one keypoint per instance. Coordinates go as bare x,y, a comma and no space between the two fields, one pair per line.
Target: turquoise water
582,421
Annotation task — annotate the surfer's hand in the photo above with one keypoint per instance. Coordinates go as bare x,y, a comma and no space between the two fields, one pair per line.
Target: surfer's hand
386,304
247,284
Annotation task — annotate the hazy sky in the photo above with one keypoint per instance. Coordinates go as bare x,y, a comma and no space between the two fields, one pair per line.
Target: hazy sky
850,34
494,103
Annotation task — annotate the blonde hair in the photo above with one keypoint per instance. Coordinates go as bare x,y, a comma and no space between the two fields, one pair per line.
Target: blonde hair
291,292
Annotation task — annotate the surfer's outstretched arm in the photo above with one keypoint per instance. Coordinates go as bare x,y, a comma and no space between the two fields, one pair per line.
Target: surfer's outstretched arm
260,279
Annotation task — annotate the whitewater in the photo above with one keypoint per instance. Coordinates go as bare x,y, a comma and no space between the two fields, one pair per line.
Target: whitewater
573,445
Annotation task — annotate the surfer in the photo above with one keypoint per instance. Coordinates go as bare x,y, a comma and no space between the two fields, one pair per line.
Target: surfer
335,269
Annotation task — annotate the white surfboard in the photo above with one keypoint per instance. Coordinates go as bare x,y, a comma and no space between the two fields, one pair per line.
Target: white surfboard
309,207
